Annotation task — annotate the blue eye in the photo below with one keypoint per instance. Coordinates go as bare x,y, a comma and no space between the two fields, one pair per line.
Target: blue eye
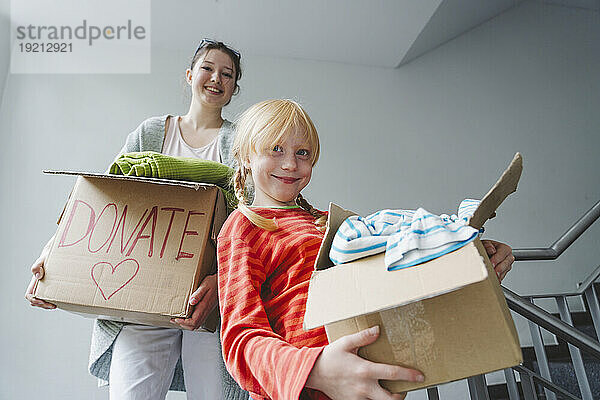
303,153
277,148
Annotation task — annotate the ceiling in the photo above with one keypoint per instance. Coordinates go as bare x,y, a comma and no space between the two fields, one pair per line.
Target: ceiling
383,33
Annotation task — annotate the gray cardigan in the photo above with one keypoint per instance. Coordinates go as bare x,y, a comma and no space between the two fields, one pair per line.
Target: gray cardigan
149,136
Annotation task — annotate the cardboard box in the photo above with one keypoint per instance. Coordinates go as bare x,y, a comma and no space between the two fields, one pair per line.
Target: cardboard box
133,249
446,317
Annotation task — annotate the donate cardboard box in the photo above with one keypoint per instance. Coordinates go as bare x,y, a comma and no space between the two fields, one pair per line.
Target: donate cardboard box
133,249
446,317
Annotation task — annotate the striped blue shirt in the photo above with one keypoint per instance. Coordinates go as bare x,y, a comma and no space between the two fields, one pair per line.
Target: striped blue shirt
408,237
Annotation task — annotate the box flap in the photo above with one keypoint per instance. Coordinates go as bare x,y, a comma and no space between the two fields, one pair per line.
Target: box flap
158,181
366,286
336,216
506,185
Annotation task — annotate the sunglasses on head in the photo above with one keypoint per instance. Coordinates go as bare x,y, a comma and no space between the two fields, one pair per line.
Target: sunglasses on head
206,42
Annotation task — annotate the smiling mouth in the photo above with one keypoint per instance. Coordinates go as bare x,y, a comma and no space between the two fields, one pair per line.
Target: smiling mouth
285,179
213,90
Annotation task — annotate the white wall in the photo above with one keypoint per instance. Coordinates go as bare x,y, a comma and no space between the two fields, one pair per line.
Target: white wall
4,43
428,134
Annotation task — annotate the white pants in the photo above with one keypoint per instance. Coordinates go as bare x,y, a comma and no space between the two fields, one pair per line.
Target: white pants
144,359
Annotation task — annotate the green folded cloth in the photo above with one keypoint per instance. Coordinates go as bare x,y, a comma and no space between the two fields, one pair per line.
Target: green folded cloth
156,165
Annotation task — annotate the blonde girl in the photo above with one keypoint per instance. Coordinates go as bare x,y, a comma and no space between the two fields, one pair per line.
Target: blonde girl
266,253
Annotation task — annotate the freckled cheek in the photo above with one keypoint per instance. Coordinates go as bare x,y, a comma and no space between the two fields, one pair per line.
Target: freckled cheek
261,170
307,177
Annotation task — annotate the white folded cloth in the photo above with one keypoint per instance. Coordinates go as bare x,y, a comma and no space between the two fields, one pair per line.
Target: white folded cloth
408,237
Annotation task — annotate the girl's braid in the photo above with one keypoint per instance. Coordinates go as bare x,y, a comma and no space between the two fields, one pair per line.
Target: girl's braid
239,184
239,187
320,217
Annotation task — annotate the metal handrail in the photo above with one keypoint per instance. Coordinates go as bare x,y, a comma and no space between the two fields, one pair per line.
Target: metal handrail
529,374
558,247
563,328
552,324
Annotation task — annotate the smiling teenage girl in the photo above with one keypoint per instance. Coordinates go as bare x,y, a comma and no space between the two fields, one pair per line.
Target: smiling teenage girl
141,360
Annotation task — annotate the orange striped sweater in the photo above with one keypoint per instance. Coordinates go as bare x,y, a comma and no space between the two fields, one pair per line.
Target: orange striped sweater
263,286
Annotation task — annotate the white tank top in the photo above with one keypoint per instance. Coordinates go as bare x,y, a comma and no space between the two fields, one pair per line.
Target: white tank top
175,146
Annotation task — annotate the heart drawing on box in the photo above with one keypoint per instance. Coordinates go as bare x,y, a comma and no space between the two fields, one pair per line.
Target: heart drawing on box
126,276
